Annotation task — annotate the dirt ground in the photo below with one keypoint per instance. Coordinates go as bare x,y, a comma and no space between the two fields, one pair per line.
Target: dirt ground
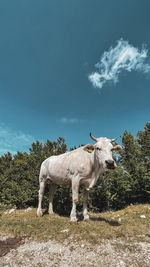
115,253
6,244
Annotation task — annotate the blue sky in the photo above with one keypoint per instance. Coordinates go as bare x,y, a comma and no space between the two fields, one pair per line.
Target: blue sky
49,83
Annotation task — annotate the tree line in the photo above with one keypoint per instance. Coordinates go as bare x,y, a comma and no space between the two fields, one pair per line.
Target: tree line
128,184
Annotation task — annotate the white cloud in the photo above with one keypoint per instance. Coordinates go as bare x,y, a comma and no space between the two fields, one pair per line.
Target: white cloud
69,120
13,141
122,57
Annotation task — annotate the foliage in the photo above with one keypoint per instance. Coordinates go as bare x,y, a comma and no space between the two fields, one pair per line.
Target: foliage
129,183
112,191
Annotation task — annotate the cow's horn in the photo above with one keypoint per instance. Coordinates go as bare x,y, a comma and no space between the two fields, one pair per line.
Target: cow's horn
113,140
93,137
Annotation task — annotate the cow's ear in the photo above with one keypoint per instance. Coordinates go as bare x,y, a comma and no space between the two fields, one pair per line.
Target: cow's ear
89,148
117,149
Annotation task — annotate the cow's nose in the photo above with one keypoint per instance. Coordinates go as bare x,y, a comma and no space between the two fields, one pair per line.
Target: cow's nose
109,163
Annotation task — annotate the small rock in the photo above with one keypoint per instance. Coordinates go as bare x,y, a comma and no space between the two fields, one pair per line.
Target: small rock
82,246
28,209
12,211
142,216
119,220
121,263
64,231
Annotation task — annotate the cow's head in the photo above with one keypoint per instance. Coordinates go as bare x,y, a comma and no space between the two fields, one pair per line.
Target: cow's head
104,152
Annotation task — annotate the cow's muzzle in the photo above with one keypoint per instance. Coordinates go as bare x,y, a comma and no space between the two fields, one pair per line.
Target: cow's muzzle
110,164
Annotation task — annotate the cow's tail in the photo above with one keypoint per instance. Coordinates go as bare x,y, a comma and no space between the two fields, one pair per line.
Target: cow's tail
42,175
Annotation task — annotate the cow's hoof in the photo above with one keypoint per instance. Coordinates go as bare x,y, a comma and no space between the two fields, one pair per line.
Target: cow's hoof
39,213
52,213
86,218
73,220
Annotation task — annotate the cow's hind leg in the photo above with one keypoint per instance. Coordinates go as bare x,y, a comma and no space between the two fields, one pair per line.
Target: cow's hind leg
85,199
51,196
41,193
75,198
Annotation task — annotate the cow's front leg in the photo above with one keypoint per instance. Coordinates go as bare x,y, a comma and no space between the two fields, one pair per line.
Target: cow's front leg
75,198
51,196
85,199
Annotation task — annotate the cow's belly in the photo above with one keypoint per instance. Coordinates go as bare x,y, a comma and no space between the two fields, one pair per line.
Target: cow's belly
59,176
67,180
59,180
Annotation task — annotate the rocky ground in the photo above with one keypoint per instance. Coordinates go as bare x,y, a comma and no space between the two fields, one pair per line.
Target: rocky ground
115,253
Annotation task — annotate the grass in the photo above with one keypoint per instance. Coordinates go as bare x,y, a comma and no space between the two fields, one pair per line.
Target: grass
125,224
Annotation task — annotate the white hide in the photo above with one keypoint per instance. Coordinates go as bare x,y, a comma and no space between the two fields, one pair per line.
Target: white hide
82,166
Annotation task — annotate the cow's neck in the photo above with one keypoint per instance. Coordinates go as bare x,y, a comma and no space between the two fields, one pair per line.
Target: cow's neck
98,170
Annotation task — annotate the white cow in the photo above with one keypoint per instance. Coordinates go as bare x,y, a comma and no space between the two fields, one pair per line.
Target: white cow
82,166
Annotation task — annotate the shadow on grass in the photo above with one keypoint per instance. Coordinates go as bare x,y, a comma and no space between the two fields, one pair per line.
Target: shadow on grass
45,212
110,222
80,218
54,214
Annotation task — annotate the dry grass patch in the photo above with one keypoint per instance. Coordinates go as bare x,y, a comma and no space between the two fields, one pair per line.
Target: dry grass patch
126,224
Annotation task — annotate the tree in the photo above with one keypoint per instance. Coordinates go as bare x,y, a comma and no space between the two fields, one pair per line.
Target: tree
143,138
135,159
130,154
19,176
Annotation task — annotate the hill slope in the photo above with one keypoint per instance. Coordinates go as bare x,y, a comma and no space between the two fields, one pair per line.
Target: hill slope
120,238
